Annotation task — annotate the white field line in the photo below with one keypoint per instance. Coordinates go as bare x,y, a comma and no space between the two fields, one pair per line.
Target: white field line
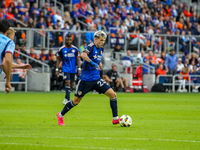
65,146
103,138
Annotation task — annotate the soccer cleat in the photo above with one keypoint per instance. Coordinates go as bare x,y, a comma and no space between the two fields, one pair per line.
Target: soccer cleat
115,121
60,120
65,101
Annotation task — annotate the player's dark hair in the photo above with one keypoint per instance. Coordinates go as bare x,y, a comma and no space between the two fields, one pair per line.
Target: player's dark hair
4,25
68,35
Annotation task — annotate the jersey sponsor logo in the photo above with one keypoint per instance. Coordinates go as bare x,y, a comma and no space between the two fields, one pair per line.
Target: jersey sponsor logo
69,55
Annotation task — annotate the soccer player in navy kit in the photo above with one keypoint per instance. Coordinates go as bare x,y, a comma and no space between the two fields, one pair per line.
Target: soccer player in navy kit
69,55
90,79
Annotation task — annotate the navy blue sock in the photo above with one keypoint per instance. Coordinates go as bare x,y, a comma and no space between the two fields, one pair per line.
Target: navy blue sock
113,105
67,107
67,91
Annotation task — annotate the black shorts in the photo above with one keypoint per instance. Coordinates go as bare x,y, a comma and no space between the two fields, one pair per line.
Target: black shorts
83,87
69,76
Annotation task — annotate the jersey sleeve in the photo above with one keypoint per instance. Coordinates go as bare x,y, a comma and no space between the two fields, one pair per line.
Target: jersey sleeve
59,53
10,48
89,48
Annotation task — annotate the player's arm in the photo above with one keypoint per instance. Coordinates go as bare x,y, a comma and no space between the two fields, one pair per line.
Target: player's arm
85,57
7,68
25,66
79,65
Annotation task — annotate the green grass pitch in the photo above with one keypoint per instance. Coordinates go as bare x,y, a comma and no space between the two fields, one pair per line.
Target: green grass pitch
160,121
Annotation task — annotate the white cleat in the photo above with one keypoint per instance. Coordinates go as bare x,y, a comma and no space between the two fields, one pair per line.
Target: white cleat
179,90
195,90
65,101
184,90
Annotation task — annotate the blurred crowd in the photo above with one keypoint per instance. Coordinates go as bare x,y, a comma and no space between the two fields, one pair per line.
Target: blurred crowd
134,16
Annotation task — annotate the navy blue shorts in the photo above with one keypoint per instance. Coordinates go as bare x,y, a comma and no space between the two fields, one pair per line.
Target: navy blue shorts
83,87
69,76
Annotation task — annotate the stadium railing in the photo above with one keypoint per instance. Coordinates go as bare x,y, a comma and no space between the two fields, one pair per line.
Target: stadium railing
27,61
16,82
46,41
174,81
151,36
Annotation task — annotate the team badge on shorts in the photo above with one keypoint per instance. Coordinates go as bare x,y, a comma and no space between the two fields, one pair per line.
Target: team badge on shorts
79,92
65,77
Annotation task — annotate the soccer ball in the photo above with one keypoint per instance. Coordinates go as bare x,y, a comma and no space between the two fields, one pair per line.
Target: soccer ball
125,121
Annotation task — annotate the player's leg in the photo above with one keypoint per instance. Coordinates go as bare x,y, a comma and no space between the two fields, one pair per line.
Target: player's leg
125,80
113,104
81,89
102,87
67,87
69,105
72,75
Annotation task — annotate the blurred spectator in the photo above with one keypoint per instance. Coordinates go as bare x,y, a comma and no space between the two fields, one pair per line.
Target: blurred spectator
198,65
128,59
193,58
35,64
170,64
59,17
35,7
160,70
114,80
82,47
179,66
20,36
195,80
16,54
43,56
50,55
90,36
116,51
54,78
51,9
22,74
23,51
150,56
51,37
58,37
192,66
129,22
32,54
186,56
183,80
21,8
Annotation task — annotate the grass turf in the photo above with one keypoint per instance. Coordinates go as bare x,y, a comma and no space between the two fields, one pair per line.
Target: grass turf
160,121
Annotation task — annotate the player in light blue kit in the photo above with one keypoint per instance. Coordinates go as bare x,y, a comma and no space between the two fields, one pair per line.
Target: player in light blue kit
69,55
7,47
90,78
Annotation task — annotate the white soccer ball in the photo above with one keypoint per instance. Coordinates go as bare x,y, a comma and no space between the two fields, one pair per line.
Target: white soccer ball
125,121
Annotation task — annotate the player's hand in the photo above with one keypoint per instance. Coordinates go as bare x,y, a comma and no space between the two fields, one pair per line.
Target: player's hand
57,73
100,65
26,66
8,87
94,64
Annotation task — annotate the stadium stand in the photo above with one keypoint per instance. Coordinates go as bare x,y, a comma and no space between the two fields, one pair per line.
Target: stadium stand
148,28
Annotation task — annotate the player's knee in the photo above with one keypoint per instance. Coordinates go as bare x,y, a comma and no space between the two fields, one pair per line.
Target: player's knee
76,101
67,83
113,95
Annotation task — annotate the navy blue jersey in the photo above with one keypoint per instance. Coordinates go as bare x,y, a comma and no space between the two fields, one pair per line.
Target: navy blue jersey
89,72
68,57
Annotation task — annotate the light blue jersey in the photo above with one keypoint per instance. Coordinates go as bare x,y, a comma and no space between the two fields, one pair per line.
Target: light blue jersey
6,46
